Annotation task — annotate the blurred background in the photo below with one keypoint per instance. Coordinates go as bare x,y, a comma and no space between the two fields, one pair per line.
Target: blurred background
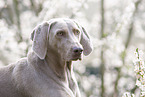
116,28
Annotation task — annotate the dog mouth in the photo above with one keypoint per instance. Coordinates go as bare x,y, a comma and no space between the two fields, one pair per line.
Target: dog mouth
73,56
76,57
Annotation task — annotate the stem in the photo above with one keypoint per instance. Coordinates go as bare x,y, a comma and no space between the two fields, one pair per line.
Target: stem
102,67
130,33
102,73
16,8
102,19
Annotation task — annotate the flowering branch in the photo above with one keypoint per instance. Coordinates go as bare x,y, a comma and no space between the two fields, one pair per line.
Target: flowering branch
140,71
140,74
127,94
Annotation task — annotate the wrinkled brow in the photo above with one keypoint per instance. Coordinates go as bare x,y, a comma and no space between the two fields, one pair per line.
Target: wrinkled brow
52,24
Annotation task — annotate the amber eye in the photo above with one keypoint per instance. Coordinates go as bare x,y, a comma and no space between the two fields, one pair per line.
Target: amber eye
77,32
60,33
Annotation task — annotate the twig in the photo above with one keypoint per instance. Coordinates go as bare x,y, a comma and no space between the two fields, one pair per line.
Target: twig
102,67
130,33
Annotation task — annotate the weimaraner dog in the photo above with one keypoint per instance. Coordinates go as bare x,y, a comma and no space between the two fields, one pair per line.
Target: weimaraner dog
47,70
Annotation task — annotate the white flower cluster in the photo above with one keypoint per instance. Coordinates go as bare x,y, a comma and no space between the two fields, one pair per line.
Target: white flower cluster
127,94
140,71
140,74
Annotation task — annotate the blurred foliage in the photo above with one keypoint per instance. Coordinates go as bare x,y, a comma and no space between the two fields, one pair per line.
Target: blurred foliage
116,28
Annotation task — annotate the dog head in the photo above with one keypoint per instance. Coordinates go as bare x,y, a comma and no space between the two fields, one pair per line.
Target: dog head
64,36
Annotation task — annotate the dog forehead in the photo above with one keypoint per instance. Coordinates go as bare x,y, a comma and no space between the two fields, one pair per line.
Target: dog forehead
64,24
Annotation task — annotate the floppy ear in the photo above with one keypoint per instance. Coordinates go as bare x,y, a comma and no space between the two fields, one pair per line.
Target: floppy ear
86,42
39,36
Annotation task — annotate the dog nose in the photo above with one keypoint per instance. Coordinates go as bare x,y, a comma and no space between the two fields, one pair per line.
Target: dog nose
77,50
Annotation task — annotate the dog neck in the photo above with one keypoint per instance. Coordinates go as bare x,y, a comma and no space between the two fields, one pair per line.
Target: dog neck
57,65
53,66
62,69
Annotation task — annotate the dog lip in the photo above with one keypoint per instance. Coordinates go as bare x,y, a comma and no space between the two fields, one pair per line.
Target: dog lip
76,57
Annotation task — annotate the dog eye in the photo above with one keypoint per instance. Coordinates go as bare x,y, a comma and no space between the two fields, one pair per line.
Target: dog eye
76,32
60,33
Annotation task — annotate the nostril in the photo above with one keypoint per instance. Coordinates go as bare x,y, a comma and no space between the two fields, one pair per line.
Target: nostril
77,50
81,50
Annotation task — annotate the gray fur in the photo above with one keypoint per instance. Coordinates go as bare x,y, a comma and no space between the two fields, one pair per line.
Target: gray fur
47,71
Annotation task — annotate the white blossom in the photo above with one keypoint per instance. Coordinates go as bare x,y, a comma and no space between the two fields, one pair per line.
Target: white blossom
139,70
127,94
